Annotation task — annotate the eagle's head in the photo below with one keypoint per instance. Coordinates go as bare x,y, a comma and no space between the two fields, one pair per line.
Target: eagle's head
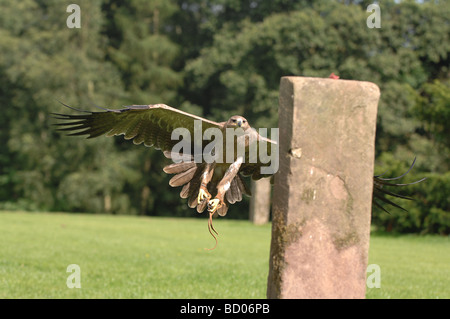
237,121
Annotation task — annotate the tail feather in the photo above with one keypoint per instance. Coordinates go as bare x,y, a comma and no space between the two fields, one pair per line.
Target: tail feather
185,190
177,168
202,206
187,174
183,177
222,211
242,186
233,193
192,201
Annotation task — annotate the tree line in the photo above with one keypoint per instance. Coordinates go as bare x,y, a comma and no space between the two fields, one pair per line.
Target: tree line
214,59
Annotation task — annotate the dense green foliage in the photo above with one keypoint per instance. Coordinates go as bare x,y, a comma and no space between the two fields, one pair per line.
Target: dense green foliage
212,58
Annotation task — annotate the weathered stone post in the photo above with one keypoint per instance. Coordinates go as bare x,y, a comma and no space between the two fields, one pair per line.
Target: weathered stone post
323,190
260,201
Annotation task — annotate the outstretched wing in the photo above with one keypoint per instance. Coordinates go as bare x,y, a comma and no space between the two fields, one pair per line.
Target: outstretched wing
149,124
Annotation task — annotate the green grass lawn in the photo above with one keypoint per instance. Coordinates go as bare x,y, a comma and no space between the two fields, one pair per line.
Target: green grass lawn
142,257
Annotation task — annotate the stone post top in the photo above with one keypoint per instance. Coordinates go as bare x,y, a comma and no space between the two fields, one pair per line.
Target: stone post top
330,81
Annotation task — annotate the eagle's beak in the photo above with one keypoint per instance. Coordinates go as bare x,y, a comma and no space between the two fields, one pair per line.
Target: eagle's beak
239,122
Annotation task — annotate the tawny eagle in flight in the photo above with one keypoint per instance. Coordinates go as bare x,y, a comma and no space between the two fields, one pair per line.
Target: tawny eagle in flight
212,185
207,185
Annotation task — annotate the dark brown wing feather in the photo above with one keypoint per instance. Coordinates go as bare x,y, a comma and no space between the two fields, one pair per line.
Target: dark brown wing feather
148,124
242,186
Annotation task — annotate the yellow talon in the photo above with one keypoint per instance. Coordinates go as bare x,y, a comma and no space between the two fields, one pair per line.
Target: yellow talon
202,195
214,205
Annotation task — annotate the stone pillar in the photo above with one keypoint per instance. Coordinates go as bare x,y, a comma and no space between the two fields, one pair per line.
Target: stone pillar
260,201
323,190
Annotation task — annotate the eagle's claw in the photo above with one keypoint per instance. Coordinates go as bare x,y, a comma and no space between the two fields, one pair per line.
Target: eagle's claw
214,205
202,195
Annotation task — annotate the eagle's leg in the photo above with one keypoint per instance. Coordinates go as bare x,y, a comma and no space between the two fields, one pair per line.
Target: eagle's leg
224,185
206,178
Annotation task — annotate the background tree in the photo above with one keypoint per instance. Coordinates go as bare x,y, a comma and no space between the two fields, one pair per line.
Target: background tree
212,58
42,60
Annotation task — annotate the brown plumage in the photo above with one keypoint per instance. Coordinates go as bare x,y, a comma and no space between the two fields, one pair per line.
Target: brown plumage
211,186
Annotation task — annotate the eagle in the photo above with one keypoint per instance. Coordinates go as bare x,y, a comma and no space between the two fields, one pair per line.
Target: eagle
207,185
211,185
